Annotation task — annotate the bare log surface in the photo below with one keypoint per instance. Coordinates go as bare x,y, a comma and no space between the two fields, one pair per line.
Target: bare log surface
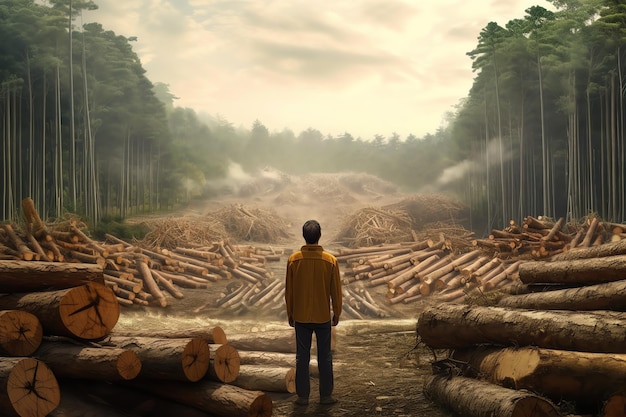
607,296
25,276
266,378
168,359
219,399
474,398
272,341
70,360
210,334
582,271
449,326
607,249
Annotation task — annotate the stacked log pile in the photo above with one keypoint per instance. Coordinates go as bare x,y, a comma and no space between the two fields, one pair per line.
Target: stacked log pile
559,340
51,340
136,274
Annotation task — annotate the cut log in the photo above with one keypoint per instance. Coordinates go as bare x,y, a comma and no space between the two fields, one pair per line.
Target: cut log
225,363
266,378
453,326
213,397
271,341
68,360
210,334
20,333
171,359
581,271
288,360
87,312
607,249
24,276
474,398
608,296
584,378
28,388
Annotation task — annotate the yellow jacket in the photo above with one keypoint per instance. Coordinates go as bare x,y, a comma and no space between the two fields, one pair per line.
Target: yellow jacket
312,281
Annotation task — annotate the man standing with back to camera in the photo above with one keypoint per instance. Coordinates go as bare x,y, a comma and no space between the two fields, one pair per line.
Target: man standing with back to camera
312,289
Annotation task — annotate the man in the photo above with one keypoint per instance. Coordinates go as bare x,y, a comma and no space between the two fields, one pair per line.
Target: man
312,290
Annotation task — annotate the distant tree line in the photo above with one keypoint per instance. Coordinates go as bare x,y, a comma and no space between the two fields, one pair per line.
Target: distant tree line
541,132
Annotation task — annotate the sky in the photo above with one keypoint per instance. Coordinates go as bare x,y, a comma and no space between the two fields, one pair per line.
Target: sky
363,67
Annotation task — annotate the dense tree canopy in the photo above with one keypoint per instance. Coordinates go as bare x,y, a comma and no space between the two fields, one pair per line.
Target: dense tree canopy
540,133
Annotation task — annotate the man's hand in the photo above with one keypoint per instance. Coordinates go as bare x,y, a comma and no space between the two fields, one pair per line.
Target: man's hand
291,322
335,320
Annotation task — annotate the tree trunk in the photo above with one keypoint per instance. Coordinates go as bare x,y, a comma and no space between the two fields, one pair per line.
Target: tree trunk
87,312
271,341
213,397
585,378
210,334
20,333
474,398
69,360
266,378
28,388
607,249
453,326
172,359
581,271
25,276
225,363
608,296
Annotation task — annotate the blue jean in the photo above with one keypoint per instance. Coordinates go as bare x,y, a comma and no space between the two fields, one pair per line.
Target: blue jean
304,337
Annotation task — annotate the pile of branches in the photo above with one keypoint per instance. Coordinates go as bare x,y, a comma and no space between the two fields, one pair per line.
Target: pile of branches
173,232
424,209
251,224
373,226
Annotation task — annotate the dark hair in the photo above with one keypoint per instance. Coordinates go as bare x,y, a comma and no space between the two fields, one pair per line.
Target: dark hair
311,231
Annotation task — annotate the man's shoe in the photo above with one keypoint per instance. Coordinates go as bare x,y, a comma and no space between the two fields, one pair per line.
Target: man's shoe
301,401
328,400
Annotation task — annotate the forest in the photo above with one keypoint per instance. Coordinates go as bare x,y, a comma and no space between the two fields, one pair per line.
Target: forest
541,131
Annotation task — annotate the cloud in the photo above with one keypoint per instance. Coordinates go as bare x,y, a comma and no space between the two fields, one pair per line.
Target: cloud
360,66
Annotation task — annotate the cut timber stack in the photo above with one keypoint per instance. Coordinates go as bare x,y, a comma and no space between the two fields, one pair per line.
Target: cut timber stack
137,275
561,337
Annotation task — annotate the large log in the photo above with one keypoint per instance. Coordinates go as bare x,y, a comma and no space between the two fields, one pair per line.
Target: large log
213,397
266,378
582,377
604,250
210,334
25,276
28,388
20,333
171,359
87,312
475,398
272,341
251,357
68,360
581,271
607,296
453,326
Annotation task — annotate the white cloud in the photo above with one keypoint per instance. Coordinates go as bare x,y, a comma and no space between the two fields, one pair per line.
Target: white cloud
364,67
